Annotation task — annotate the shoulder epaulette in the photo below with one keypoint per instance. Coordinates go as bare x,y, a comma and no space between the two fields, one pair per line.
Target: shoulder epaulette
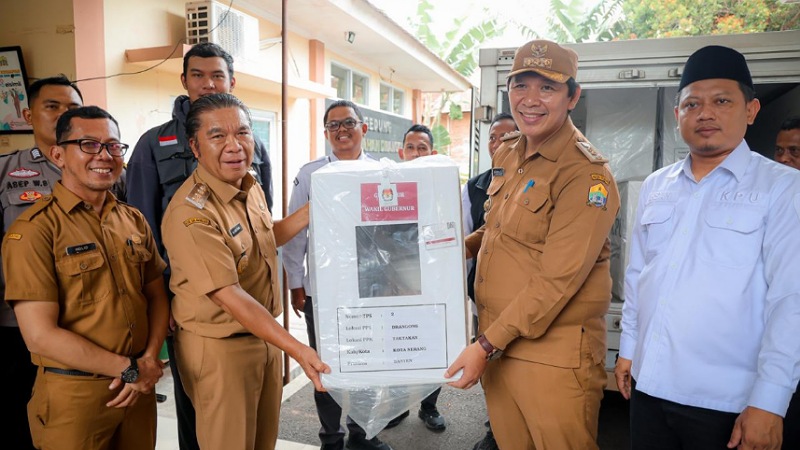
590,152
36,208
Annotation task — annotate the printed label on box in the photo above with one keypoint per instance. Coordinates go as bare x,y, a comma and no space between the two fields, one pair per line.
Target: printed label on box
387,202
392,337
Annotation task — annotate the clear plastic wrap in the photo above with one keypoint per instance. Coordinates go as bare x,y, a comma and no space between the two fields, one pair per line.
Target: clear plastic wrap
621,233
621,123
388,281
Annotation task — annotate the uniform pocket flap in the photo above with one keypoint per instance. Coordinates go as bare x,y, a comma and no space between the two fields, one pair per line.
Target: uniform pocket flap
657,214
741,221
533,201
77,264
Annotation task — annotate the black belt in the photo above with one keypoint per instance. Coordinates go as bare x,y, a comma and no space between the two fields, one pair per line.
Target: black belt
70,372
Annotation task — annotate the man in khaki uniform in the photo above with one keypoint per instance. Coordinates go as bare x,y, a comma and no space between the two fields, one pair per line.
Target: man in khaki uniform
222,245
85,282
543,284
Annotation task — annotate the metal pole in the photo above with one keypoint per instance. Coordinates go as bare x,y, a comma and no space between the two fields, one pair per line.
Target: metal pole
284,166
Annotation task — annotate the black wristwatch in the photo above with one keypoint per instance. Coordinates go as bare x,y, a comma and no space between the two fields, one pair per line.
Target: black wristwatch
131,374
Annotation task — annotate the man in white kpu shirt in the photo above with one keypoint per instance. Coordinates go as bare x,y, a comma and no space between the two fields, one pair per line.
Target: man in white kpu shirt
710,343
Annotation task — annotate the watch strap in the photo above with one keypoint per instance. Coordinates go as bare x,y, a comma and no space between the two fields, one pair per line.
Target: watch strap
486,345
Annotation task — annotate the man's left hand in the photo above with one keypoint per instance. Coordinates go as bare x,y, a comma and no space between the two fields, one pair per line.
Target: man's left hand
757,429
473,361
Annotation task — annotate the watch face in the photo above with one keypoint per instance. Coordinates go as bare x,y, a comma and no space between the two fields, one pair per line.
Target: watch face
131,374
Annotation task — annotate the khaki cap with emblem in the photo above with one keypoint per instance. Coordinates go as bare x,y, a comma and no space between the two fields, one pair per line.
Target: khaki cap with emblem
546,58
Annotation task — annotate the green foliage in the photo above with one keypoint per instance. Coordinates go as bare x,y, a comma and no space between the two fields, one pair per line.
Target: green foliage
455,111
669,18
441,136
459,46
569,21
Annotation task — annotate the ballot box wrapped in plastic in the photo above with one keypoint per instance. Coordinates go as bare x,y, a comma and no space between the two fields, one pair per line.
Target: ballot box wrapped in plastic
388,281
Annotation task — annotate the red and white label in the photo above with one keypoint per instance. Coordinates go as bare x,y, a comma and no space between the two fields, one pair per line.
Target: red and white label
389,202
163,141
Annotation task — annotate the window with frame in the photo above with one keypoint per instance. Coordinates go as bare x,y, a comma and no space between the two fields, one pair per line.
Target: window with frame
392,99
350,85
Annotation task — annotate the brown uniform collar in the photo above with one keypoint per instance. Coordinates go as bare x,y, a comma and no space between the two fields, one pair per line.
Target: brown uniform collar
69,201
223,190
555,145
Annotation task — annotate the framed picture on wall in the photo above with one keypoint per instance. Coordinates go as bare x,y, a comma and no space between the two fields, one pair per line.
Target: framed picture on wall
13,91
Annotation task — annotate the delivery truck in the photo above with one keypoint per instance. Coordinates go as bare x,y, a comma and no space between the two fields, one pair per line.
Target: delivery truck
627,111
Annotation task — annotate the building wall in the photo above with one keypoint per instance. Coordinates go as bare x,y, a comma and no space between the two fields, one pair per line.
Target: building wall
140,101
47,41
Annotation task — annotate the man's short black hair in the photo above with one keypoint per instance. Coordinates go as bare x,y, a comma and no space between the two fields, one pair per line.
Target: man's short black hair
342,104
419,128
502,116
208,50
210,103
58,80
64,124
792,123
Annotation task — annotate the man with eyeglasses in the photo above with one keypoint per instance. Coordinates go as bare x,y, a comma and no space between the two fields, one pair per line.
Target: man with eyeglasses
26,176
344,130
89,297
162,161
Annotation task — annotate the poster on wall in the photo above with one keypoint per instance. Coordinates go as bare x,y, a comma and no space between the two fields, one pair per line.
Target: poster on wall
13,91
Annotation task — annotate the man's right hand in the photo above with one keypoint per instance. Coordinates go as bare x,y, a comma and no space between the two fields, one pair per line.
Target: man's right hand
298,300
623,374
312,366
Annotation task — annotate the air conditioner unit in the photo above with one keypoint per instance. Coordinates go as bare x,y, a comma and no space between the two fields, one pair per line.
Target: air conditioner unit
234,31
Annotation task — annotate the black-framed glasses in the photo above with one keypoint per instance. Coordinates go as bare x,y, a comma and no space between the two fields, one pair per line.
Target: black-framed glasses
94,147
348,124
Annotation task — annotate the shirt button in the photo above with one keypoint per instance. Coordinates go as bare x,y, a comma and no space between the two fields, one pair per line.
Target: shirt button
113,257
497,225
480,279
696,195
84,266
526,201
520,170
506,196
729,221
486,252
121,291
242,245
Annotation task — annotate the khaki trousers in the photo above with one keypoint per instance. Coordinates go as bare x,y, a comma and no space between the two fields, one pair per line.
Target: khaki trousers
536,406
235,385
68,411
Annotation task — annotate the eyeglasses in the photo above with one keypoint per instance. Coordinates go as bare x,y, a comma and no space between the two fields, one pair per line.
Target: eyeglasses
348,124
93,147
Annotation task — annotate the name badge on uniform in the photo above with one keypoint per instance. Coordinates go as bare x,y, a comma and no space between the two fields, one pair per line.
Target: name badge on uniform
198,195
498,171
82,248
236,229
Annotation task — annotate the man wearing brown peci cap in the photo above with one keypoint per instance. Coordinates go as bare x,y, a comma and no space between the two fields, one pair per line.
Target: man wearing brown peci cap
543,284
